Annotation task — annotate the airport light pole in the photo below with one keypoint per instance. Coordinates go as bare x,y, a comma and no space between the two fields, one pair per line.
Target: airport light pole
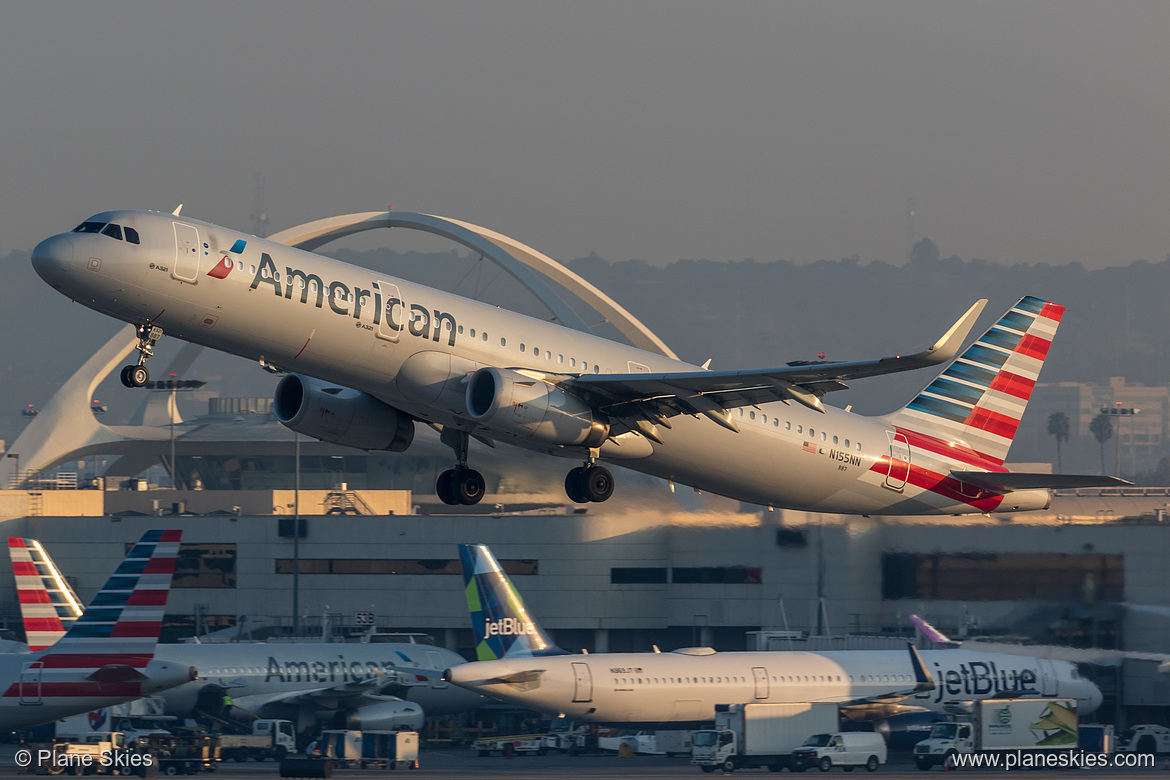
296,604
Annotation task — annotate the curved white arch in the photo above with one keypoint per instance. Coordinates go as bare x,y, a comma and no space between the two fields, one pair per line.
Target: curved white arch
511,255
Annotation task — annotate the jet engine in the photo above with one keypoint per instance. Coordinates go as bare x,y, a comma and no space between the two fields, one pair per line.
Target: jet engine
383,716
513,403
340,415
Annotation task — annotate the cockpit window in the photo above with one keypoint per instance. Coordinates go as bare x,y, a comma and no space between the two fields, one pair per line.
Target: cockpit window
113,231
132,235
89,227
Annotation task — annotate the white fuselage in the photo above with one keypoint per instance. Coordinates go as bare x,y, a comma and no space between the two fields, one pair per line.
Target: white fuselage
313,315
256,675
682,687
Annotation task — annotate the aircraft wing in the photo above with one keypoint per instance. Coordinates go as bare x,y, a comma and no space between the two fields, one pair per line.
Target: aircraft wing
658,396
1006,481
354,694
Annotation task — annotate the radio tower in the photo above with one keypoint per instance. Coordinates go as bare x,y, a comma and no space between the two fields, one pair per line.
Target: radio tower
909,228
259,217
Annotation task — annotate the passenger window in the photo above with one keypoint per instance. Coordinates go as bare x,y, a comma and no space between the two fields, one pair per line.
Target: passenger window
596,370
536,352
460,330
847,443
824,436
811,433
751,415
503,342
787,425
132,235
485,336
472,332
573,362
858,447
800,429
113,231
521,347
775,422
560,358
834,439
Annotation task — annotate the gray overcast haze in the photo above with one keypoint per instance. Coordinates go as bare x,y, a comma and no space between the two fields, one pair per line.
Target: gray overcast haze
655,130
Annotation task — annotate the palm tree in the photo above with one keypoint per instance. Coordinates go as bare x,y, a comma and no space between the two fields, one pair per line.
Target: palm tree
1102,430
1058,426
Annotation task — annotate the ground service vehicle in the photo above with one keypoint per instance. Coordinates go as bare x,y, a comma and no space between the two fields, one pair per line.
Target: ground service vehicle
98,752
1035,725
273,739
754,735
1144,738
844,749
530,744
366,749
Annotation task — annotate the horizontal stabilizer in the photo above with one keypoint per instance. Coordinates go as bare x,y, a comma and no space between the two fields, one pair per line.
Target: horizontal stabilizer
111,673
1019,480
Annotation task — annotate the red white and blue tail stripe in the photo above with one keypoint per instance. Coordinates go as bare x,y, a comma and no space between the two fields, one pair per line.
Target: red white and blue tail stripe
47,603
980,398
122,623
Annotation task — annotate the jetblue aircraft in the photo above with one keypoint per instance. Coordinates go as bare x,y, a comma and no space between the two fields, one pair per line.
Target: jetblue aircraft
381,686
520,665
107,655
369,357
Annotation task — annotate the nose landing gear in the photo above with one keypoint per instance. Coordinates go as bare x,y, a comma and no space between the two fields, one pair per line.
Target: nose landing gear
137,375
589,483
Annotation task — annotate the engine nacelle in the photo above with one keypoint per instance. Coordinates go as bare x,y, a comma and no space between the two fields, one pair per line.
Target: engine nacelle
383,716
340,415
513,403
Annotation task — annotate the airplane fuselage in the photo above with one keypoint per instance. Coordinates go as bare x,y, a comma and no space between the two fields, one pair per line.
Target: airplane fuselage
326,676
413,347
683,687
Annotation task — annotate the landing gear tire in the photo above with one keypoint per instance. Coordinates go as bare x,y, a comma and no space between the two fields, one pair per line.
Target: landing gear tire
575,486
445,488
598,483
135,376
469,486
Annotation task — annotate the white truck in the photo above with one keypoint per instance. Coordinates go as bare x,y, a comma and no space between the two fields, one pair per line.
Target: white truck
755,735
1031,725
1143,738
273,739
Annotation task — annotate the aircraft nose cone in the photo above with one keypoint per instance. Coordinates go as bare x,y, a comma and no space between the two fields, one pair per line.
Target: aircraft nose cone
52,257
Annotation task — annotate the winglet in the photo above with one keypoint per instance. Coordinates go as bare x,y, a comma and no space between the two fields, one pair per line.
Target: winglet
948,346
922,679
929,631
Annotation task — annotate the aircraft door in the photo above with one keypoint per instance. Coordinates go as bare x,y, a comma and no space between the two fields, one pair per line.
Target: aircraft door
899,461
186,265
436,663
30,683
1047,673
761,677
394,315
582,683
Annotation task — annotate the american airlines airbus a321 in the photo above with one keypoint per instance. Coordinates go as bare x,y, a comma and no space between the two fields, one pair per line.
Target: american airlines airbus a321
368,357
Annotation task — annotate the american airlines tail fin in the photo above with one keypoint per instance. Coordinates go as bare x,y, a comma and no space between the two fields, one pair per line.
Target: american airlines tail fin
48,604
502,625
980,398
121,625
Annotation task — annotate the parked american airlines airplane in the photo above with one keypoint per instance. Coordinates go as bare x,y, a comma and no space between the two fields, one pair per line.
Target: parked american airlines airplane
369,356
384,685
519,664
107,655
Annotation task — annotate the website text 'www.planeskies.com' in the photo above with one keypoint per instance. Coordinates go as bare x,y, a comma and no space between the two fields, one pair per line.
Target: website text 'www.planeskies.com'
1066,759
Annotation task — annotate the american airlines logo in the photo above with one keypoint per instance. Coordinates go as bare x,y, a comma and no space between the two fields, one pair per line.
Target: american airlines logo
509,627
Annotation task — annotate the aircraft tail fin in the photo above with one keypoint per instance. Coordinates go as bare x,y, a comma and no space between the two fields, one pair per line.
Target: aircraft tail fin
48,605
981,396
502,624
120,627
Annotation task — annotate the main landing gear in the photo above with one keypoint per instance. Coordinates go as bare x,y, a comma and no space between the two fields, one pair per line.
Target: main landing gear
589,483
137,375
462,484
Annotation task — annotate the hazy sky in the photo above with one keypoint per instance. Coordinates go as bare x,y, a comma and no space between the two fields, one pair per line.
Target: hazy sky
658,130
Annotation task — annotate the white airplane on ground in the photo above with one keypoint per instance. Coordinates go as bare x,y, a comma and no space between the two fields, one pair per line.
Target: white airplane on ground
107,655
352,686
370,356
519,664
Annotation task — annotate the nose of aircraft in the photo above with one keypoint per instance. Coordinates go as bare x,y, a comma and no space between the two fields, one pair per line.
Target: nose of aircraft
52,257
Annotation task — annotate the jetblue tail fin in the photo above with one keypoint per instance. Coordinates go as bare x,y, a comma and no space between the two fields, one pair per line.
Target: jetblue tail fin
502,625
122,623
48,605
981,396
